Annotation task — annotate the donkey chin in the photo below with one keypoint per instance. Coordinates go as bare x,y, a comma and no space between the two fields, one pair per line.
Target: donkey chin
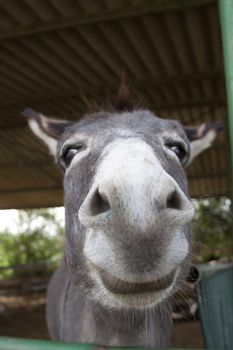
116,286
117,293
120,294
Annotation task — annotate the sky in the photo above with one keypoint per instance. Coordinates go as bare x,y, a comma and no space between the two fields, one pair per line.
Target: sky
8,218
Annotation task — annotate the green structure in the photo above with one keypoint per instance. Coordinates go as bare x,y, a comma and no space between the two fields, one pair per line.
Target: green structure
226,16
215,292
21,344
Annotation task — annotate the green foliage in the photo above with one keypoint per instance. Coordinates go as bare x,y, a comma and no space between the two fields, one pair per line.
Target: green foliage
39,237
212,229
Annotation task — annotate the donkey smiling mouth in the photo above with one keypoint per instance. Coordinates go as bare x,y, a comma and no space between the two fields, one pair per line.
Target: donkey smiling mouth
118,286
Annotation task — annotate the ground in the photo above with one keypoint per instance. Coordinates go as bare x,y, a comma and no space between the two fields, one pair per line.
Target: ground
24,316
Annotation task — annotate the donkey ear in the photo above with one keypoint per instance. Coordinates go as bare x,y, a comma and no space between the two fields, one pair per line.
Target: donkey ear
201,137
47,129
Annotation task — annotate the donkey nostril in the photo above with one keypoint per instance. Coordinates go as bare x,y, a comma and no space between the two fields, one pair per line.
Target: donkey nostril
99,203
173,201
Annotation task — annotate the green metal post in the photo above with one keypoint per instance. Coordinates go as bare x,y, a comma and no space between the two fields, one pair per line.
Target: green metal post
226,18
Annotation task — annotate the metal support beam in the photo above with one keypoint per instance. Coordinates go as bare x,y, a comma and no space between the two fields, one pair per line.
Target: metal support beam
226,17
100,89
226,13
144,8
29,344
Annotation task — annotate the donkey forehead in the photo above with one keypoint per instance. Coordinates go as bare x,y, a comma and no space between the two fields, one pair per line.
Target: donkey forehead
137,123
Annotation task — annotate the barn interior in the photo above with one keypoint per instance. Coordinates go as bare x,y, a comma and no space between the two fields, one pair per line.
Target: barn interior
55,52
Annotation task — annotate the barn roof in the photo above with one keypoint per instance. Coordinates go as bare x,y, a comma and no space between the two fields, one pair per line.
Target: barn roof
53,51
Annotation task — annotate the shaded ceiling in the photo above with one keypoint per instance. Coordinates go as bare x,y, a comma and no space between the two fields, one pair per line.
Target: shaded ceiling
53,51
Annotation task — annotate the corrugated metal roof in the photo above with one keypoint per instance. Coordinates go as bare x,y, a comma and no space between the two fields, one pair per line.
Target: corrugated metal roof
53,51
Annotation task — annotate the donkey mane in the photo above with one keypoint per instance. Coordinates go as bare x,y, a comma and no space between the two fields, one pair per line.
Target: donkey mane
125,100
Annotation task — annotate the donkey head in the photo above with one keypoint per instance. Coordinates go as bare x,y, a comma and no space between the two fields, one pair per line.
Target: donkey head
126,201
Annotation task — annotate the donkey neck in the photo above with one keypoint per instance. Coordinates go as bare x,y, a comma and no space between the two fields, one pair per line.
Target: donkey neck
99,325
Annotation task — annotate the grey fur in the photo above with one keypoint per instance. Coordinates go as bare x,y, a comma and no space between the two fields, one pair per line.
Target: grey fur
75,312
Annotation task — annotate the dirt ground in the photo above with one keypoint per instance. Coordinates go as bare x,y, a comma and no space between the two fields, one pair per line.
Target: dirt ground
24,316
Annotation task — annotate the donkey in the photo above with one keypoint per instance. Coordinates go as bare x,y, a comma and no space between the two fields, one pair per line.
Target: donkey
127,223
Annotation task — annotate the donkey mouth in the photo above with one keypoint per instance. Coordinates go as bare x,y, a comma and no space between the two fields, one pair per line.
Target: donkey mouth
118,286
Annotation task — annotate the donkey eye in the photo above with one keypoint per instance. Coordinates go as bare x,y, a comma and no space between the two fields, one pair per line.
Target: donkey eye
178,149
70,151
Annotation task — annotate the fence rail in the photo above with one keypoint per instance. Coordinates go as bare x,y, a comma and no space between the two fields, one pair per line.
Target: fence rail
26,344
34,265
30,282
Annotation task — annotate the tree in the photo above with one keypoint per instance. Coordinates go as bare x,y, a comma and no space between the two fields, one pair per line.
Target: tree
212,229
39,238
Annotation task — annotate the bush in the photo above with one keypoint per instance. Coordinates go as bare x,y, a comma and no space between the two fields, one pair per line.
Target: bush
39,237
212,229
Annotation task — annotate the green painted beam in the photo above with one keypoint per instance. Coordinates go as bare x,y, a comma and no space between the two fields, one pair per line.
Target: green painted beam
26,344
226,18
